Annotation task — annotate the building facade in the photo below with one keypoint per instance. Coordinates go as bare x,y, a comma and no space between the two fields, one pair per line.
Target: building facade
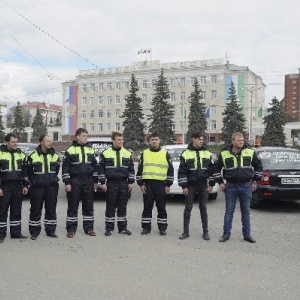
291,101
95,99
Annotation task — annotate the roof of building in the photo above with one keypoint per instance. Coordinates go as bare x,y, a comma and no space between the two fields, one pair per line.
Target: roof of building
43,105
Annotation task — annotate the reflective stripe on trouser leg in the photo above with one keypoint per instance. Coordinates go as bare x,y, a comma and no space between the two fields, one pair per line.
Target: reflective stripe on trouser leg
122,223
72,223
3,229
34,227
110,223
15,227
162,224
146,223
88,223
50,225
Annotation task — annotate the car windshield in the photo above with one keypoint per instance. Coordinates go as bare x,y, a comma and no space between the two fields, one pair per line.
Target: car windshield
280,160
175,153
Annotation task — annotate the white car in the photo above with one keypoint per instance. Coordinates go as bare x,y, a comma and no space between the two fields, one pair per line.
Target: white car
175,152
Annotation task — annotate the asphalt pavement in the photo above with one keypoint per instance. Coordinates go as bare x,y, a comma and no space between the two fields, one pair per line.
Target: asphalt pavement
154,266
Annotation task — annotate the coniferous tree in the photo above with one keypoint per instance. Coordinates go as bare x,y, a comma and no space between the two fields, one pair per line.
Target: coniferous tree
274,126
58,120
26,116
2,133
234,119
133,114
162,111
197,118
18,124
38,125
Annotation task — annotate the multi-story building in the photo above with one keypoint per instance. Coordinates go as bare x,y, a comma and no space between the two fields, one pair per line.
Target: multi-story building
291,101
95,100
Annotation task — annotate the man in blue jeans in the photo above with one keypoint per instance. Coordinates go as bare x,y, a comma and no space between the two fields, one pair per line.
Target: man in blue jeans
241,168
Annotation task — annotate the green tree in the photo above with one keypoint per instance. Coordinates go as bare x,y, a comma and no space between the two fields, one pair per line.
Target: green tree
2,133
26,116
197,117
133,114
274,122
18,124
58,120
234,119
162,111
38,125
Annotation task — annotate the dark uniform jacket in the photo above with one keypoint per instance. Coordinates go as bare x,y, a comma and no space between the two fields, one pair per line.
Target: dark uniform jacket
79,161
196,168
238,168
13,167
43,168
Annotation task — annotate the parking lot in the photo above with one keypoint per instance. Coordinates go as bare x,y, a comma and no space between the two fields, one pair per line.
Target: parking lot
154,266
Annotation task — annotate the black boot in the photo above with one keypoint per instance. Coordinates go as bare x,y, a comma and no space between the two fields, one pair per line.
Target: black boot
204,220
186,225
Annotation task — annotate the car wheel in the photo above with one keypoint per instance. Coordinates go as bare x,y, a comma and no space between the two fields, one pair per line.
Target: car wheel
212,196
254,203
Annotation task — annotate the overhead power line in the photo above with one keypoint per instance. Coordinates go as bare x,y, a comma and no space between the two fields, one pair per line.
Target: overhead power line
49,35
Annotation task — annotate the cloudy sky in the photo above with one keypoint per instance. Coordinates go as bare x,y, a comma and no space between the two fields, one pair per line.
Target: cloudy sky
44,42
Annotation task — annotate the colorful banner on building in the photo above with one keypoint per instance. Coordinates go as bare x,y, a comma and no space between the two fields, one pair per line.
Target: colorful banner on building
71,110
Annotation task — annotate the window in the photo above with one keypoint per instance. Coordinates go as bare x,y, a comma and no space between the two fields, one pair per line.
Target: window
100,113
182,81
109,86
173,97
193,79
117,127
213,79
100,100
118,99
108,99
173,82
145,84
108,127
213,125
203,94
202,79
182,96
100,126
84,114
213,94
213,110
84,125
84,101
117,85
154,83
92,127
92,100
108,113
84,87
101,86
92,87
92,114
126,85
118,113
173,126
145,112
144,97
55,136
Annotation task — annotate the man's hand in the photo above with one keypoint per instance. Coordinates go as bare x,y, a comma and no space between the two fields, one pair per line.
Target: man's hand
25,190
209,188
68,188
130,186
1,192
143,189
104,188
254,186
185,191
167,189
95,187
222,187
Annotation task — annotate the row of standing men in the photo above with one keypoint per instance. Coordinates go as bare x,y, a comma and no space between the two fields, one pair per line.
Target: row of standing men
115,171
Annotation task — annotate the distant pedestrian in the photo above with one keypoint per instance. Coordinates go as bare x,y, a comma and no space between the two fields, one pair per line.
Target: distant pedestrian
14,184
194,171
240,168
155,176
80,175
116,175
43,167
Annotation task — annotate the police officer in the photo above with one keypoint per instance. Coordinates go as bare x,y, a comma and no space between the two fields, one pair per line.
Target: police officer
193,173
43,167
116,175
79,173
155,176
241,168
13,184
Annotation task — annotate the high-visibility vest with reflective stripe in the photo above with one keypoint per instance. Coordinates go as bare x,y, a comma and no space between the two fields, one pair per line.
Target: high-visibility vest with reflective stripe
18,160
246,155
110,153
38,163
88,151
155,165
192,154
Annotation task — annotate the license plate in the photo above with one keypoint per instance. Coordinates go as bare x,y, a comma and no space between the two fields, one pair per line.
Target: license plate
290,180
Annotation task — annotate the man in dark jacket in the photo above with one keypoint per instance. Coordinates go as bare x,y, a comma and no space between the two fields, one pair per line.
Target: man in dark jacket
14,184
241,168
155,175
43,167
79,173
193,173
116,175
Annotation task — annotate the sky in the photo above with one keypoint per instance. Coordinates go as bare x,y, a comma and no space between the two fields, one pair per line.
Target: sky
44,42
